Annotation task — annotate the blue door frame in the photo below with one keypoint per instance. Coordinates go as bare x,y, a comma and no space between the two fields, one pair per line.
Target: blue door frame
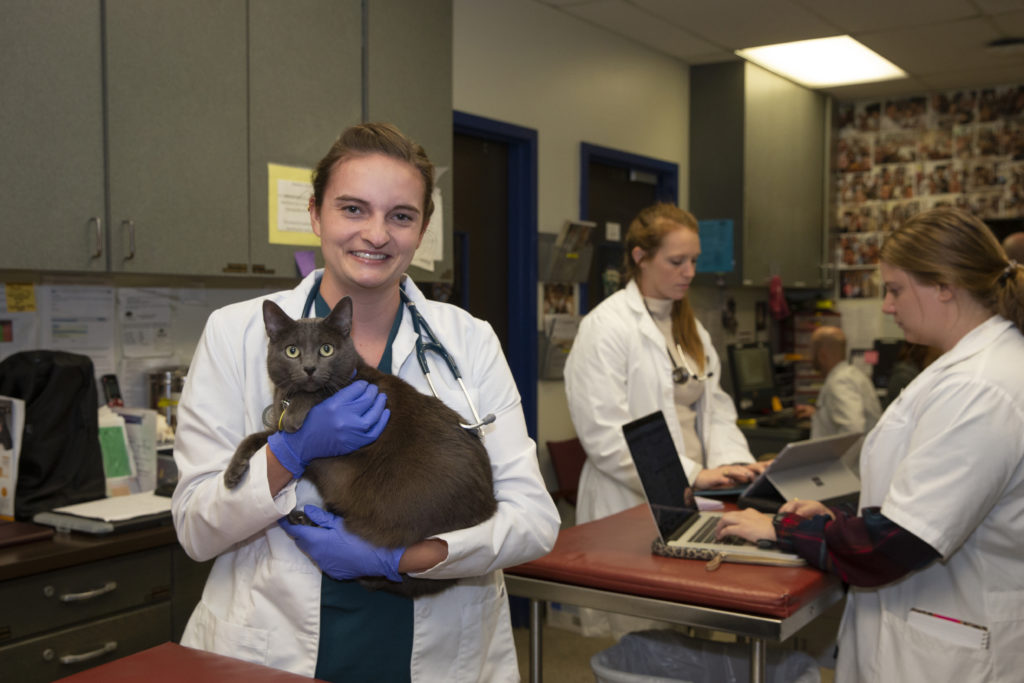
667,172
667,185
522,249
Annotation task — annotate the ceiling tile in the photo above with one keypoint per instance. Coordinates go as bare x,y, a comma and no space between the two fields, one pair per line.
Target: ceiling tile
937,48
942,43
875,15
976,78
734,24
628,21
1009,24
997,6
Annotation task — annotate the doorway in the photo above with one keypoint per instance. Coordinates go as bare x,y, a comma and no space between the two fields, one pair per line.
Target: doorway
495,230
614,187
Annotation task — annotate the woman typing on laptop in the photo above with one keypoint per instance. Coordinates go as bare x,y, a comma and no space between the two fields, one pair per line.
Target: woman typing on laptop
934,557
643,350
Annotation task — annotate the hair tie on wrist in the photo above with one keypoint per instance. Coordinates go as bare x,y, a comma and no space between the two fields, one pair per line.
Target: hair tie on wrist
1008,271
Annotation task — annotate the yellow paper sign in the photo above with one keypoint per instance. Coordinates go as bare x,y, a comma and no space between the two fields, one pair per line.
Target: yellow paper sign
288,191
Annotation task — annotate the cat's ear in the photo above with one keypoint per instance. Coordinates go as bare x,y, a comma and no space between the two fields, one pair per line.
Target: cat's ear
340,317
275,320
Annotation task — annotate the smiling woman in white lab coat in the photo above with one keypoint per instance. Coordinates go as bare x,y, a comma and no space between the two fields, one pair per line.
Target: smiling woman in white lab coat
267,600
935,554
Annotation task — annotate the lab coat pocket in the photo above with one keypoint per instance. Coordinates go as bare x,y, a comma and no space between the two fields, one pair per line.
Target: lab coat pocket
907,653
486,645
209,632
1005,610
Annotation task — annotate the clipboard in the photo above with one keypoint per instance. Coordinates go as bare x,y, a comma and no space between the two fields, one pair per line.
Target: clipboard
110,515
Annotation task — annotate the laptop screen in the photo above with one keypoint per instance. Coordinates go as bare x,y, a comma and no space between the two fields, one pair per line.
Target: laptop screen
661,473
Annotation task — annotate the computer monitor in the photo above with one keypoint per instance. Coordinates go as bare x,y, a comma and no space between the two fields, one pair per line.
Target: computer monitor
887,352
753,377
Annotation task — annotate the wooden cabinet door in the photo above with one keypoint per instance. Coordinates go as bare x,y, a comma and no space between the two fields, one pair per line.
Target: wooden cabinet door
51,136
177,135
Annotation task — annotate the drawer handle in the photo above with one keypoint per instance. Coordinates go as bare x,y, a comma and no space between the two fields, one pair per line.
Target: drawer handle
106,648
88,595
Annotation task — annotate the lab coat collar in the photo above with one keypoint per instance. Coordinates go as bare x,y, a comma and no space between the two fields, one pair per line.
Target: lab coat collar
975,341
405,341
645,322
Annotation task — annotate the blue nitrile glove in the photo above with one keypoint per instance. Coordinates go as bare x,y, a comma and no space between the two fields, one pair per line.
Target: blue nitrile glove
339,553
345,421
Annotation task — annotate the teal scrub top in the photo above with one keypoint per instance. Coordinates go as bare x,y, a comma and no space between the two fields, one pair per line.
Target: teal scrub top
364,635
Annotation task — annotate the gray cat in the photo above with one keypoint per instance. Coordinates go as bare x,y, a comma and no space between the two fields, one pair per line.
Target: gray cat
423,476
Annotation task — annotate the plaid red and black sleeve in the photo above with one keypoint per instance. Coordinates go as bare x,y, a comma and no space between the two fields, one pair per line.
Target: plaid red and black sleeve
869,550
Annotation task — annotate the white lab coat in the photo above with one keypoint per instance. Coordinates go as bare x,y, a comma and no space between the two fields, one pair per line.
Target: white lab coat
946,462
847,402
261,602
619,370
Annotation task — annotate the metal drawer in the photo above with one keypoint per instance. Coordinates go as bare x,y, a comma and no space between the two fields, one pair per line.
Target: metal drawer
51,600
62,653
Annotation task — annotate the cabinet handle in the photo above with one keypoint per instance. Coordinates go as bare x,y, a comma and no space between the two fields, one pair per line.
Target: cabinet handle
108,587
106,648
130,224
95,220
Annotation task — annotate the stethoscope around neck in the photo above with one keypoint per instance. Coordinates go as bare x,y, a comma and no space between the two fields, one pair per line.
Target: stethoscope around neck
420,326
681,374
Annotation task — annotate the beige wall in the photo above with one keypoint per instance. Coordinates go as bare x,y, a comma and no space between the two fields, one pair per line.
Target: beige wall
526,64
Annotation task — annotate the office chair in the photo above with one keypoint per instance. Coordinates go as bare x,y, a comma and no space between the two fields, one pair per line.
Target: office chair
567,457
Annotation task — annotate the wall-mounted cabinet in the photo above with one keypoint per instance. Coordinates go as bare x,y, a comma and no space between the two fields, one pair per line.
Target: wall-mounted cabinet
135,137
176,135
53,212
757,156
153,178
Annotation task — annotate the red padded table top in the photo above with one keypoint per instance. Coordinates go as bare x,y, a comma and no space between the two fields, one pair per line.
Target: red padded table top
172,663
614,553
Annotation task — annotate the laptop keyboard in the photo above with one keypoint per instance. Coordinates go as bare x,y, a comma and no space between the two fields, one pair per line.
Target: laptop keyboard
706,534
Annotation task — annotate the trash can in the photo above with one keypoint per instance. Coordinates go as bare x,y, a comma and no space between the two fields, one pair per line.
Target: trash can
664,656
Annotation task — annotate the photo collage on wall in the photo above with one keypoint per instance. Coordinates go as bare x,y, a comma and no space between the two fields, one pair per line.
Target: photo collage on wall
894,158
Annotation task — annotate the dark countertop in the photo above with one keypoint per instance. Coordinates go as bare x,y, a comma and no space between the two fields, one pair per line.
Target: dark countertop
68,549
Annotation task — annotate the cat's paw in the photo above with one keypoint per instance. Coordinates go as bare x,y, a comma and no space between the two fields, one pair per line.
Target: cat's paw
234,474
297,516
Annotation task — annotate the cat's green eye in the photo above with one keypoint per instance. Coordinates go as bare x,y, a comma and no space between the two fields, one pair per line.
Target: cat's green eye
326,350
292,351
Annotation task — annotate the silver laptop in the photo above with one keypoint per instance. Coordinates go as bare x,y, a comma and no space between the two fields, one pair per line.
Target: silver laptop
671,499
815,469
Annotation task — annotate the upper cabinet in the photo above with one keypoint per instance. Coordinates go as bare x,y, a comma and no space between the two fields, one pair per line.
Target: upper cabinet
757,156
135,136
53,211
177,156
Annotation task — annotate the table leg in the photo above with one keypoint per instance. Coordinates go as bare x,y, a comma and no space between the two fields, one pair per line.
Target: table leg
758,661
536,633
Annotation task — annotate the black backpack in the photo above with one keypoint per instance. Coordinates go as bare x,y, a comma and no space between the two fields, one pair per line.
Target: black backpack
60,462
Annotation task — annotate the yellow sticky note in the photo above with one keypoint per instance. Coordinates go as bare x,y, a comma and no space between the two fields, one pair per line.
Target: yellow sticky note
21,297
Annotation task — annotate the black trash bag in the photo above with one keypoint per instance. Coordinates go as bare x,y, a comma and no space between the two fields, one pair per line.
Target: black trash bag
61,462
